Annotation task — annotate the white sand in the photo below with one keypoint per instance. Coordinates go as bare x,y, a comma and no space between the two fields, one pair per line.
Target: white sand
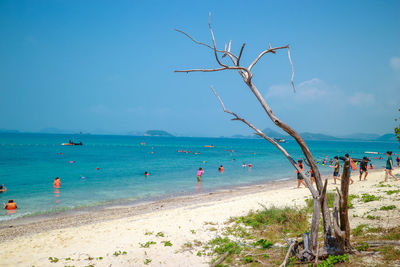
104,238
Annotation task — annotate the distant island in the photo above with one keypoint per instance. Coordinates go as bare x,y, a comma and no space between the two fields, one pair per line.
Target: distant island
324,137
157,133
271,133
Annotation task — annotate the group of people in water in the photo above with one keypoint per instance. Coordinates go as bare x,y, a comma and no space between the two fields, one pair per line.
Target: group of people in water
363,168
200,171
11,205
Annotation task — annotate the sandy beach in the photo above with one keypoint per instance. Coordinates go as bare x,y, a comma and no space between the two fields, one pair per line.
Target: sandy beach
154,233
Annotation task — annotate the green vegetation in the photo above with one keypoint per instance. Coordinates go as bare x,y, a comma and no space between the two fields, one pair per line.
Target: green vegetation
368,198
147,244
53,260
160,234
391,192
362,246
148,233
147,261
221,245
167,243
117,253
263,243
397,129
350,199
392,234
390,253
332,260
193,231
371,217
291,220
359,230
390,207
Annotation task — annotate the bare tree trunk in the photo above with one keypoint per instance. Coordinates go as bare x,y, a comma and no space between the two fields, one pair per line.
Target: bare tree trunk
333,244
300,141
343,209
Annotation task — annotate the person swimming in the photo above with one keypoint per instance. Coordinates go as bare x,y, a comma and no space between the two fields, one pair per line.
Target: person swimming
146,174
3,188
11,205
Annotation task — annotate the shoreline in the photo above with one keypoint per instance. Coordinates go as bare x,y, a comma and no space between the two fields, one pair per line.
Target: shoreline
107,212
142,231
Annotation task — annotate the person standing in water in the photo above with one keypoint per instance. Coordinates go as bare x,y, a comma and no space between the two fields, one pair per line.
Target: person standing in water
336,169
300,179
389,166
398,161
221,169
57,182
199,174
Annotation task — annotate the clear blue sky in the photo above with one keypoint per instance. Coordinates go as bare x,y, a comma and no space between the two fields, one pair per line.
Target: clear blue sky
107,66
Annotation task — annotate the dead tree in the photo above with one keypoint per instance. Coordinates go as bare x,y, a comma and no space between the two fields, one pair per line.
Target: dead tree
320,205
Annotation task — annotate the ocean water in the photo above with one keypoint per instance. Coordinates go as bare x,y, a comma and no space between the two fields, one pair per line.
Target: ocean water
110,169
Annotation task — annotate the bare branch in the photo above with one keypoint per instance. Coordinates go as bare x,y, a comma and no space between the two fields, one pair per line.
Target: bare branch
273,50
206,45
215,45
291,64
217,69
272,141
202,70
240,54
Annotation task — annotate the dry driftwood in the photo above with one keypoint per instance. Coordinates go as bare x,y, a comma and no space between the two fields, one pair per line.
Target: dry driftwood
286,260
220,259
377,243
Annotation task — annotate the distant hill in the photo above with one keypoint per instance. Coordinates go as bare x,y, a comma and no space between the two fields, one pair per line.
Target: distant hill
362,136
318,136
387,137
324,137
56,131
8,131
274,134
157,133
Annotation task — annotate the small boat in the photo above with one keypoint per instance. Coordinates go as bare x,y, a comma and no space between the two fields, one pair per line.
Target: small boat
369,152
280,140
209,146
70,143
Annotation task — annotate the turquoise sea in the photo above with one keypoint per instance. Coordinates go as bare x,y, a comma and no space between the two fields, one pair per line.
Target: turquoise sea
110,169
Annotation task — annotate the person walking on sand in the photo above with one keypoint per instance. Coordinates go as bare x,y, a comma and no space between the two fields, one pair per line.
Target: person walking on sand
389,167
336,169
300,179
364,168
199,174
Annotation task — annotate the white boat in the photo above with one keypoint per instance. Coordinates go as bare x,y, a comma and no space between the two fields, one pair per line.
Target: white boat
369,152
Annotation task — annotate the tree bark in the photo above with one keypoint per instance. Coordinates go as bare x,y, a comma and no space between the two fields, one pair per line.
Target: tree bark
343,208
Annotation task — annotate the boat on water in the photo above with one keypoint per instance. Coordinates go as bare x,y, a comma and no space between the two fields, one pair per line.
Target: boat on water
209,146
70,143
371,152
280,140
